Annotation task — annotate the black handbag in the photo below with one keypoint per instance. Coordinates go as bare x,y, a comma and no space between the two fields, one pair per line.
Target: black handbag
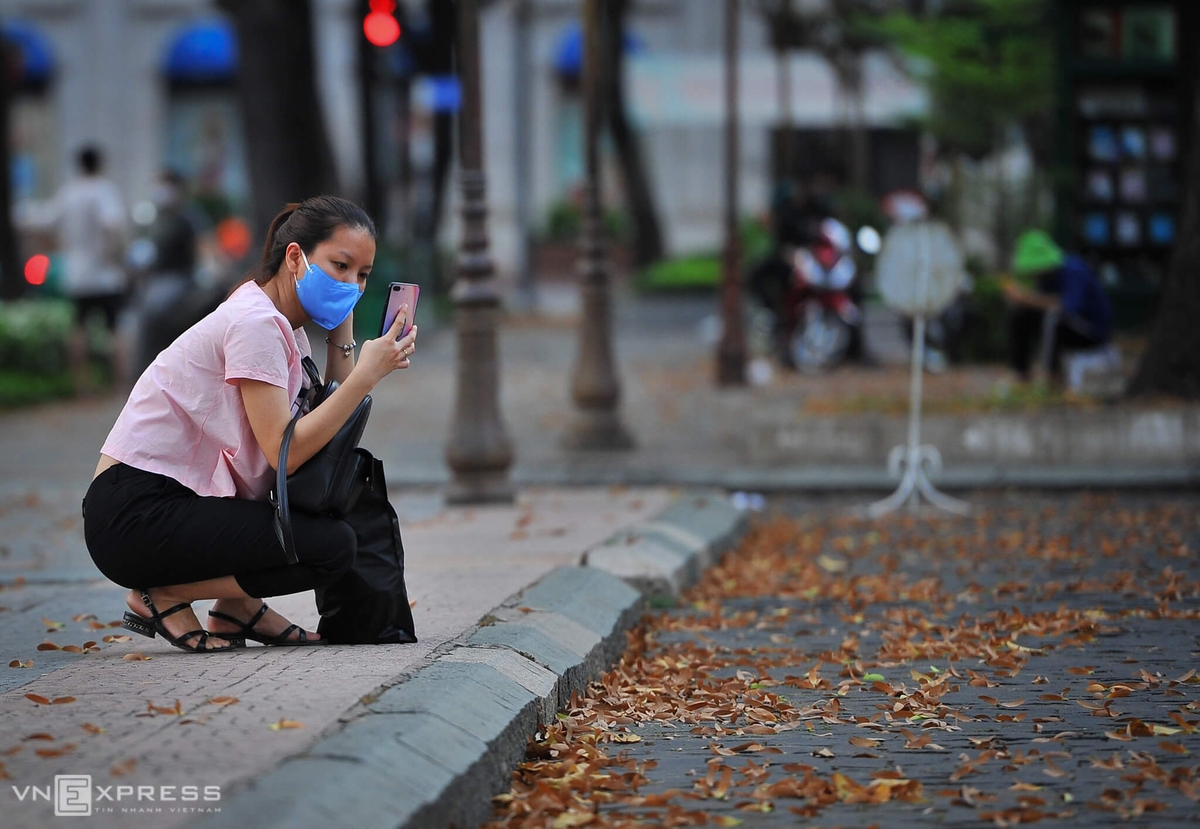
369,604
331,481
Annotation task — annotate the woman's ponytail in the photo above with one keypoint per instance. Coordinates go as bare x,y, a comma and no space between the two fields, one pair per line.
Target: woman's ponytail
266,271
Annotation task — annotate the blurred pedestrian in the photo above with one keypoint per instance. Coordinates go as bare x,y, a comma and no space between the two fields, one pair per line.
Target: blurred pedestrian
160,305
1067,309
89,219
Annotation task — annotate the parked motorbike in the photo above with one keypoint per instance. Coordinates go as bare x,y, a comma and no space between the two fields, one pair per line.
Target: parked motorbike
820,314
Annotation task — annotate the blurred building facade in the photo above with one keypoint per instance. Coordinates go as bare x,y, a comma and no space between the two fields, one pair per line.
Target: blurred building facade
152,82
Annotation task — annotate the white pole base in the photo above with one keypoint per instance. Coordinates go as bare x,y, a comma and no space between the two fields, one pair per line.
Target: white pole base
914,460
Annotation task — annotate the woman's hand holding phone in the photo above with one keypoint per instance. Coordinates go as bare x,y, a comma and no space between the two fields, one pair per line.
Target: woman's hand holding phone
390,351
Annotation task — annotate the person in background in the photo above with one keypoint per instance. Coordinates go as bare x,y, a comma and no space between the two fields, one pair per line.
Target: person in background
1067,309
162,315
89,218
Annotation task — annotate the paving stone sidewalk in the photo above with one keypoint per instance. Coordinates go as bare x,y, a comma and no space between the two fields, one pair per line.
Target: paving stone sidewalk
153,722
1036,663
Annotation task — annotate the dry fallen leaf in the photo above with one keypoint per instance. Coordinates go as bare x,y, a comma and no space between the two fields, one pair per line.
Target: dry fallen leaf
116,637
124,767
136,657
55,752
865,742
224,700
38,698
285,723
92,729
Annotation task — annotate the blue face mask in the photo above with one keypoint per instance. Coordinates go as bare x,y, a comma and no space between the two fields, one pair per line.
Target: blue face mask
326,300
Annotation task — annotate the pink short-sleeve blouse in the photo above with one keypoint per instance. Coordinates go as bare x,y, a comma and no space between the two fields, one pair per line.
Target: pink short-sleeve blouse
185,418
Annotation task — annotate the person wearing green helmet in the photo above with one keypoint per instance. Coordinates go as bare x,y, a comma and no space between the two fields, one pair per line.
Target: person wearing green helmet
1067,289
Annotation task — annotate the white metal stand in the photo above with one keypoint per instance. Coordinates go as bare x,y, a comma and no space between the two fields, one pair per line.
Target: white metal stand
911,462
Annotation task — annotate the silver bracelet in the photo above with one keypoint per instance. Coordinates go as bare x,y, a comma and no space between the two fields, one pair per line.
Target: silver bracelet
347,349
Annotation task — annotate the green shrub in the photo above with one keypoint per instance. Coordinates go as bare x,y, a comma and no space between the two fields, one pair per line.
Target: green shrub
700,272
24,388
33,335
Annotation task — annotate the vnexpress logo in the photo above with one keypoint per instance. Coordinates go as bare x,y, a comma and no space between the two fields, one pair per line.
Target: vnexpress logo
72,795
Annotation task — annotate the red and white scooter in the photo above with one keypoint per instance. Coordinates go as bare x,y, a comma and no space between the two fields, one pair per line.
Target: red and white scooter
820,313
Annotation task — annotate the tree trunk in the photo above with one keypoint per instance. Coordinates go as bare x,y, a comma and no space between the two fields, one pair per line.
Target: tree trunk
11,283
647,231
1171,364
287,147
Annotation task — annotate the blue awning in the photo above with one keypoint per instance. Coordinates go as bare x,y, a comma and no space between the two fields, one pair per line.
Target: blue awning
568,57
204,52
37,56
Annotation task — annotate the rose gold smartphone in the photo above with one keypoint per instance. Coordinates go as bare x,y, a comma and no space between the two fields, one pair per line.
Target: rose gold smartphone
400,293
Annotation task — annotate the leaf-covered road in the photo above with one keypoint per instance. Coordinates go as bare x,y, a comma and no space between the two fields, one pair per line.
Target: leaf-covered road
1035,663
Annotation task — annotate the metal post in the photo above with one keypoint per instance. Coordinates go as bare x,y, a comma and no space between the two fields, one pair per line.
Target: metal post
731,350
594,385
479,452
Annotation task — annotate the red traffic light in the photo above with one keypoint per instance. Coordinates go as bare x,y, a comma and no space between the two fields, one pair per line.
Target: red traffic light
383,6
381,28
36,269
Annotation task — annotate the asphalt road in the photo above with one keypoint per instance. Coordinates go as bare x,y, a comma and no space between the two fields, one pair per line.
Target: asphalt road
1034,663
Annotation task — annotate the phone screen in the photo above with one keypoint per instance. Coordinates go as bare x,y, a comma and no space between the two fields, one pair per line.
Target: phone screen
400,293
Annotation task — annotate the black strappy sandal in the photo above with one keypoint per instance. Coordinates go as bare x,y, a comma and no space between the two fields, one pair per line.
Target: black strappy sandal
247,629
153,625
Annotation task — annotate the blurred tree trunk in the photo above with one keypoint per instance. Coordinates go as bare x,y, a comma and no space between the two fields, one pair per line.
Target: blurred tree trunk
647,230
1171,364
11,282
286,143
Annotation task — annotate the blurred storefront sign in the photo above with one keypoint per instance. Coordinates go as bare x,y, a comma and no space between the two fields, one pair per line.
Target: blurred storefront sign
688,90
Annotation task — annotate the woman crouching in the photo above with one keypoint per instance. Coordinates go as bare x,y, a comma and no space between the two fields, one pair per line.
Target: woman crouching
178,508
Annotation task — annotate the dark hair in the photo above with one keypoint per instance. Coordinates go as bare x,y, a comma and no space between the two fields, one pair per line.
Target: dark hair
308,224
90,159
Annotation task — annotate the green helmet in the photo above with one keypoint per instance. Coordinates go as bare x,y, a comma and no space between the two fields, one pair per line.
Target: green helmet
1036,253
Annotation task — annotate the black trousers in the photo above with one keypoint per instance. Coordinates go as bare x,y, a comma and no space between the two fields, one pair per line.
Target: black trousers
1025,332
146,530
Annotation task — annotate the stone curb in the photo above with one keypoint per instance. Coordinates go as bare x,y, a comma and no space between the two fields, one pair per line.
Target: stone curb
431,750
664,556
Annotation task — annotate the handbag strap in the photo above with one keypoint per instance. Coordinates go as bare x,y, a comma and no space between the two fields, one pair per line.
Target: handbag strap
315,393
283,516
